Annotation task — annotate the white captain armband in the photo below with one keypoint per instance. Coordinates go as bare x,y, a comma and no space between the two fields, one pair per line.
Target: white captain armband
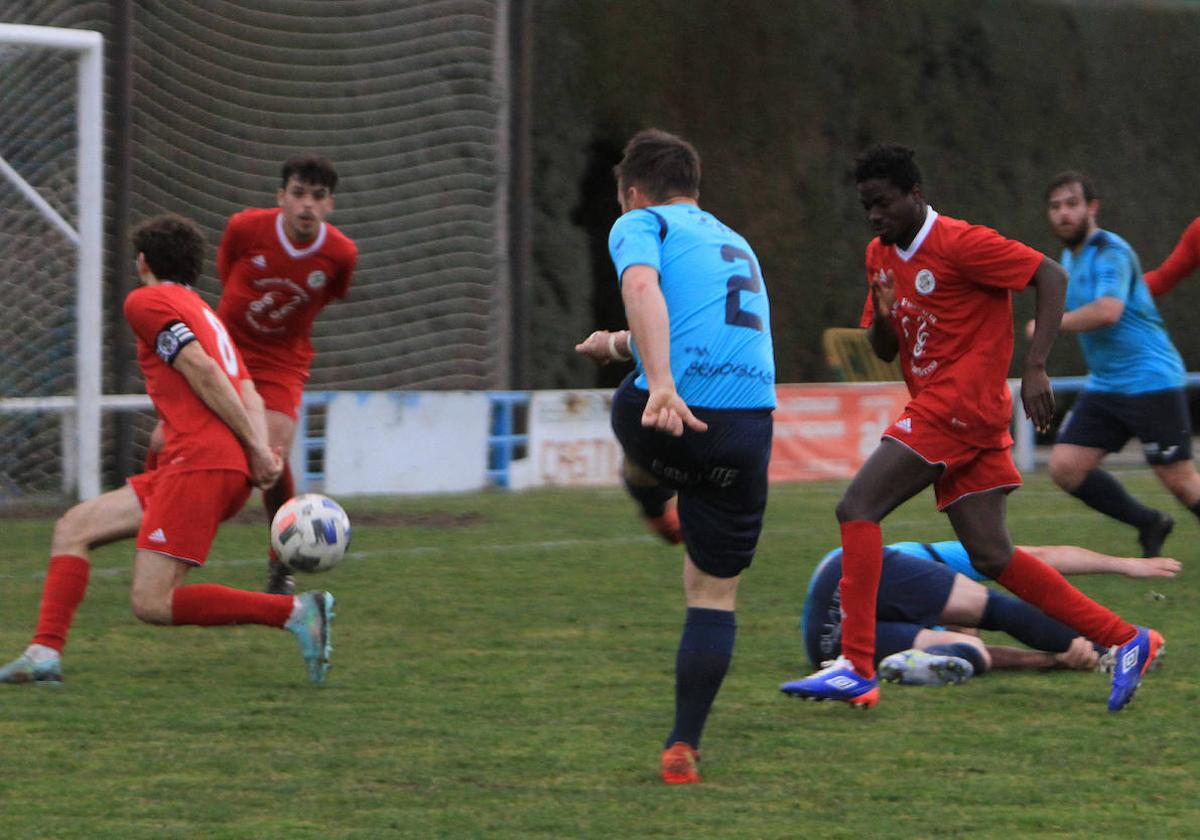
171,339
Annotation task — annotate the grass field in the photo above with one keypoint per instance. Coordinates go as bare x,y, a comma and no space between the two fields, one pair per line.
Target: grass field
503,669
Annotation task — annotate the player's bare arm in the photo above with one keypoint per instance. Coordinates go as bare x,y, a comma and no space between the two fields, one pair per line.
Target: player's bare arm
604,346
1074,560
1100,313
208,381
882,333
1050,286
1080,656
650,325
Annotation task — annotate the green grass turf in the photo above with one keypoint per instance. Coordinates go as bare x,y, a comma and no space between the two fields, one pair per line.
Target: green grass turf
503,669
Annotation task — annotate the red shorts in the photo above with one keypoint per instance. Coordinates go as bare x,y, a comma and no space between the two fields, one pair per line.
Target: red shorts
182,509
283,397
968,469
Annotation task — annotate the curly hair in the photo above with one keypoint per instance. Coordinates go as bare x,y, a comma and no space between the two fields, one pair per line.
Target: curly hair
172,246
889,162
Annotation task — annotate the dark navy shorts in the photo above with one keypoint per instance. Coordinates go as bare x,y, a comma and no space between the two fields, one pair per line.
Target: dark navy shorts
1159,419
912,594
720,476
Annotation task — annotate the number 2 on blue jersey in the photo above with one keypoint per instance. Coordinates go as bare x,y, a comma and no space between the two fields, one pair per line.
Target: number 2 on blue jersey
734,314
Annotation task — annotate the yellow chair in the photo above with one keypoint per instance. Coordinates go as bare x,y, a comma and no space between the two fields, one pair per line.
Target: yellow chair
849,353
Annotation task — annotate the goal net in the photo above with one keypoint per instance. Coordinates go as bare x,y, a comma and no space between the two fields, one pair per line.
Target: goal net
50,255
410,102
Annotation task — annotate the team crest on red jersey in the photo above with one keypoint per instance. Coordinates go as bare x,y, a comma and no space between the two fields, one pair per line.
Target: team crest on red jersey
316,279
925,282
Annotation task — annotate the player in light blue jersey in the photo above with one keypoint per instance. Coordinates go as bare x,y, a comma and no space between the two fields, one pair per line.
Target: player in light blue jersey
720,336
930,600
694,419
1135,385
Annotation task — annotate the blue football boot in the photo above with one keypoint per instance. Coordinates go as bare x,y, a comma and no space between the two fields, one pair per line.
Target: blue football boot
24,669
836,681
312,630
1130,664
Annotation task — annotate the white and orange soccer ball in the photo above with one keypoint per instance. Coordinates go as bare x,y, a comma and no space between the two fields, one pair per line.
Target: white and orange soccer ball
310,533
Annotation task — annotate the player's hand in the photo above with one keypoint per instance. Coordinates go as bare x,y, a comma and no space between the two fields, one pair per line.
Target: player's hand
601,347
266,465
1030,326
667,412
1038,397
595,347
1080,656
883,291
1148,567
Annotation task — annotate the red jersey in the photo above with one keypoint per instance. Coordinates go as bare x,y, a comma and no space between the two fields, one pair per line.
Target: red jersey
953,320
273,289
1183,261
164,317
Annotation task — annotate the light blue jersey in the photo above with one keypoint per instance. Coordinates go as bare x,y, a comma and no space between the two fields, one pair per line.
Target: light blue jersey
1134,355
721,352
949,552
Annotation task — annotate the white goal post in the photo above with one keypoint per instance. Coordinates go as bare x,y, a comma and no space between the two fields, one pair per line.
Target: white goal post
81,411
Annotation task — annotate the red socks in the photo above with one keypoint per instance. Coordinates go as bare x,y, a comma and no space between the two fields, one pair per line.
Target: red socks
862,564
1033,581
209,605
66,583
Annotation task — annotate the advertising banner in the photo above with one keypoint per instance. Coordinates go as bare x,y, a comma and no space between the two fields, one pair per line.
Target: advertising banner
571,443
827,431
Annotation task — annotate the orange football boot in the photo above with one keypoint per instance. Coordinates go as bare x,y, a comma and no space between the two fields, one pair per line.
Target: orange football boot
679,764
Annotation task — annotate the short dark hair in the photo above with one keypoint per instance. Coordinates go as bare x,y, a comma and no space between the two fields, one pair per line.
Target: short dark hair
888,162
172,246
310,169
660,164
1072,176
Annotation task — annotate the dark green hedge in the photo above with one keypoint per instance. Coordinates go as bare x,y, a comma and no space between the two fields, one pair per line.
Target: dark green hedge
779,97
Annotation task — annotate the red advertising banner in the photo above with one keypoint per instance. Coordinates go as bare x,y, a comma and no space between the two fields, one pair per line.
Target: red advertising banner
827,431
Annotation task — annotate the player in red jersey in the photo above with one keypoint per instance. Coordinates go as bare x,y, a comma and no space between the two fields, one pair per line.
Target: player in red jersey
215,445
940,296
278,268
1183,261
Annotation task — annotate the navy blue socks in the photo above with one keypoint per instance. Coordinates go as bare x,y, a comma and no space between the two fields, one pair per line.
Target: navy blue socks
700,665
1101,491
1025,623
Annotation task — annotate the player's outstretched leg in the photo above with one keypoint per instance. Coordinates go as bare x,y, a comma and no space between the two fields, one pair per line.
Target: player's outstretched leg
1130,664
836,681
919,667
39,664
311,628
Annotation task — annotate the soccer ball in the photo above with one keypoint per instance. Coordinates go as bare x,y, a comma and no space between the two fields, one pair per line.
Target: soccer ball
310,533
